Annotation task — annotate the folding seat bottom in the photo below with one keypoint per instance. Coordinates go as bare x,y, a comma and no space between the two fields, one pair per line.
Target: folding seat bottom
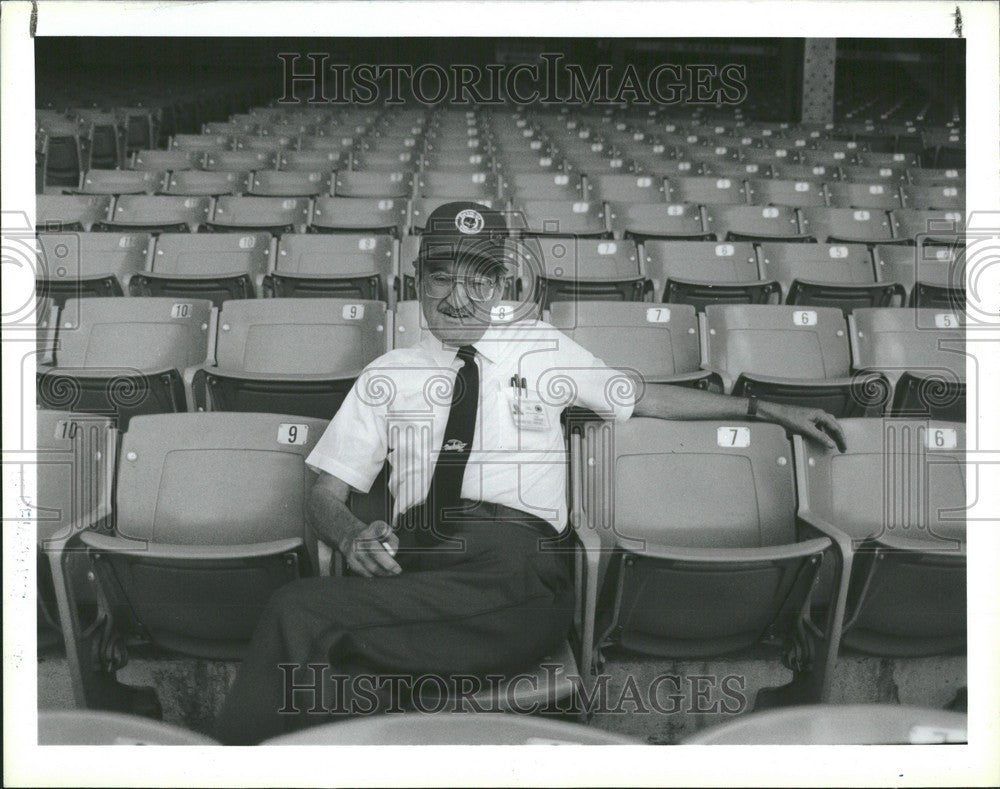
863,395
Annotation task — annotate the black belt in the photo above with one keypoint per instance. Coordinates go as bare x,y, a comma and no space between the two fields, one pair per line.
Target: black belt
474,512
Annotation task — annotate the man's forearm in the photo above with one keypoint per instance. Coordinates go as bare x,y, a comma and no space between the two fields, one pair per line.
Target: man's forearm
332,519
663,401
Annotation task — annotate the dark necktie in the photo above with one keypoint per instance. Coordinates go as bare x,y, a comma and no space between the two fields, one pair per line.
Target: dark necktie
446,484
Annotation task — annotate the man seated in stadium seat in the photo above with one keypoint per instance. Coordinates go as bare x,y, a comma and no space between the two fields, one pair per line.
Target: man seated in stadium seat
476,575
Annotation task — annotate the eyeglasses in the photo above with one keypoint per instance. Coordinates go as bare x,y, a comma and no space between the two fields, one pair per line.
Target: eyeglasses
439,285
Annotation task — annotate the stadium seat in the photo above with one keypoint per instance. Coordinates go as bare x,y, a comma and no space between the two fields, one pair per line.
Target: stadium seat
90,264
754,223
124,356
291,356
805,172
880,196
60,153
930,276
839,724
790,355
544,186
310,161
71,212
359,215
344,265
423,207
467,728
199,183
705,272
628,188
706,190
894,506
278,183
201,143
174,160
240,161
275,215
695,573
639,221
845,225
470,185
911,225
374,160
652,342
353,183
559,218
459,162
921,351
105,148
74,469
198,543
871,175
795,194
121,182
157,214
826,275
555,269
940,198
875,159
738,170
937,177
214,266
268,144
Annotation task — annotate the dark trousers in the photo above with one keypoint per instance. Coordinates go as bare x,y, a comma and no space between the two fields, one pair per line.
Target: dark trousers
492,593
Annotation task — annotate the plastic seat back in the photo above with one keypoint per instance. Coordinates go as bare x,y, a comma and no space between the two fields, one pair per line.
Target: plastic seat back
71,212
158,214
795,194
877,196
350,265
359,215
705,272
210,521
706,191
922,351
199,182
297,356
472,185
216,266
845,225
278,183
119,182
90,264
659,343
640,221
826,275
353,183
899,494
559,218
702,574
125,357
754,223
930,276
275,215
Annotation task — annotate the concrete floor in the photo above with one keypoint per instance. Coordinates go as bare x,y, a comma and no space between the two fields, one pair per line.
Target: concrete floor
687,695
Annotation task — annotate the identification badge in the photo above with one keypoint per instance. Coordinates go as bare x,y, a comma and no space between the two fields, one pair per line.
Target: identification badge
528,413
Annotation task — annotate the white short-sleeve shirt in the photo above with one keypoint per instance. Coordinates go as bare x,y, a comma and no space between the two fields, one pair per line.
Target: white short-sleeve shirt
398,408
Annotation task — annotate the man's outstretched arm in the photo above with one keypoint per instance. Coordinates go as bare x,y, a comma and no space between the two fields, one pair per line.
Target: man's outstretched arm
663,401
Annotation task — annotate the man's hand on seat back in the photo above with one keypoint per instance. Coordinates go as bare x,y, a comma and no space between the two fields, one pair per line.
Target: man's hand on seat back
813,423
367,555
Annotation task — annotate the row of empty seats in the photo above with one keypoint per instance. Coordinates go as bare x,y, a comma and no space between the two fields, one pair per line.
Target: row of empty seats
154,354
587,219
222,266
808,549
702,190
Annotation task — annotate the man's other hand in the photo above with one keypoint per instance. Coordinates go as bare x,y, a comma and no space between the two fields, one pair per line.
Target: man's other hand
813,423
367,554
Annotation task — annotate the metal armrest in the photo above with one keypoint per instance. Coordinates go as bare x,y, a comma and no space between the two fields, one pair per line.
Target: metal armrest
193,377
